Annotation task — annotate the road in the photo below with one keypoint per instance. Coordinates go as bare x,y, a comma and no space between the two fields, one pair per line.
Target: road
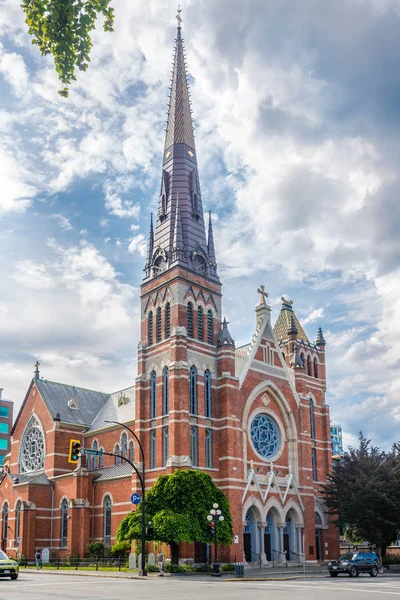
72,587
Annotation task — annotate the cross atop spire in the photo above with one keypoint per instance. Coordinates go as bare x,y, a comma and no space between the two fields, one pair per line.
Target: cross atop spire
178,16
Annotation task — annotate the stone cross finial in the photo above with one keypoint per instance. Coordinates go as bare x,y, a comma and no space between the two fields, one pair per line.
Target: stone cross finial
178,16
37,363
264,294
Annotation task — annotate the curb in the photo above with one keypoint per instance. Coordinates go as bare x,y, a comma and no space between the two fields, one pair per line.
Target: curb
84,574
238,579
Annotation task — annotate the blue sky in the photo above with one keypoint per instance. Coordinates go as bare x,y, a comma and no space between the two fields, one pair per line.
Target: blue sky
296,109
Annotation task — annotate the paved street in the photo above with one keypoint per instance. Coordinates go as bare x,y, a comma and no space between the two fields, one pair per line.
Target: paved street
71,587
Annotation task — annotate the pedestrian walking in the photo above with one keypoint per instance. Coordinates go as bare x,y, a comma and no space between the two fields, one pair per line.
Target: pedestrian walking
160,560
38,559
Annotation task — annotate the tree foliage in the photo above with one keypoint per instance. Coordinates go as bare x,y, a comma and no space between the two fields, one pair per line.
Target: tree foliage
62,28
363,492
177,506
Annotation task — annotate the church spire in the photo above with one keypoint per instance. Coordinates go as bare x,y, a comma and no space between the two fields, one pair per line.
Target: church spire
210,244
180,178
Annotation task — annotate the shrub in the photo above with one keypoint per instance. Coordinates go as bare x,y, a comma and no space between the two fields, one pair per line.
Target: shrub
203,569
228,568
152,569
97,550
120,549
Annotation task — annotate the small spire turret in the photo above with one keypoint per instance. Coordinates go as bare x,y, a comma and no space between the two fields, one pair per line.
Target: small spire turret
292,329
150,247
320,341
210,243
225,338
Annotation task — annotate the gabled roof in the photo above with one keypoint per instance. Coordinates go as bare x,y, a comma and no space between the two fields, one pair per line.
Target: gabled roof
113,472
56,396
36,478
119,406
283,323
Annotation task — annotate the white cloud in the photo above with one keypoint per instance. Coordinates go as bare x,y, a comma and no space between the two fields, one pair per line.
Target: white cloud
138,244
314,315
114,203
16,193
14,71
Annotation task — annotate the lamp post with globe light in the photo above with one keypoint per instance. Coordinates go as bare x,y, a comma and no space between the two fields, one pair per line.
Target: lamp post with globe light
214,517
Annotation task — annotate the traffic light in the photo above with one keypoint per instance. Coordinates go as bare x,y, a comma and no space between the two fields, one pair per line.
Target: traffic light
74,451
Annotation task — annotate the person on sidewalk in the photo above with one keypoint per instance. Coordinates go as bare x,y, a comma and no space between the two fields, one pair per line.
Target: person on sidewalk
160,560
38,559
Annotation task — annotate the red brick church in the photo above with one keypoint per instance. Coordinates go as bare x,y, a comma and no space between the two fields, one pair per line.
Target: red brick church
253,417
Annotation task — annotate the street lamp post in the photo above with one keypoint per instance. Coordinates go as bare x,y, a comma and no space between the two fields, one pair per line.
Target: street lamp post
142,479
214,517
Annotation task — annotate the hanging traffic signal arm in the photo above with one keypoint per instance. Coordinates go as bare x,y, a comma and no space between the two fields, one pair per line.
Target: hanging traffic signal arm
74,451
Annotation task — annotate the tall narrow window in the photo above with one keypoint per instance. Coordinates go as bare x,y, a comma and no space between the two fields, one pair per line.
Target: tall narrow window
168,320
95,447
165,445
193,390
302,360
101,460
200,332
314,464
208,448
315,368
89,463
209,327
124,445
153,395
312,420
17,522
107,520
165,392
64,523
190,319
309,365
117,452
153,449
194,455
207,393
5,525
150,328
159,324
131,451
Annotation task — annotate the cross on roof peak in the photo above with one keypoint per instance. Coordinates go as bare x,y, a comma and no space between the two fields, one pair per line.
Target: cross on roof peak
264,294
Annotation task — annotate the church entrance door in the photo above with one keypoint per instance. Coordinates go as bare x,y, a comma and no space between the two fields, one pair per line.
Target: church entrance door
267,546
247,546
286,545
318,552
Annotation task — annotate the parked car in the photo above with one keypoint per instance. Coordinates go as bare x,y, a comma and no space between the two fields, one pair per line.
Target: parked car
354,563
8,566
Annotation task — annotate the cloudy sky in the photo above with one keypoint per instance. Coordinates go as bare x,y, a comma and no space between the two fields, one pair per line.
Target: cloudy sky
296,108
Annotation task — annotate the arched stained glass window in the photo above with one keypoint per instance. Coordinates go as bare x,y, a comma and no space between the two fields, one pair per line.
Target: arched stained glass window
190,319
207,393
153,449
159,326
315,367
265,435
32,447
193,390
168,320
95,446
200,332
153,383
107,520
131,451
209,461
101,460
17,521
165,445
210,327
117,452
4,528
309,365
194,454
165,391
150,328
64,523
124,445
312,419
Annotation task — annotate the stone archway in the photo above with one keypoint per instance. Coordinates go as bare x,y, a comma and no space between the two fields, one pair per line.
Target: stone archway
251,536
272,544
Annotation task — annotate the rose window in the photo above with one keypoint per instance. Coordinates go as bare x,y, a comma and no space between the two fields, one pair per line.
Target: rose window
32,454
265,435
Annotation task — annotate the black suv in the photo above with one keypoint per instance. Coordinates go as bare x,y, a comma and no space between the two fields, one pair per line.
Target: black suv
354,563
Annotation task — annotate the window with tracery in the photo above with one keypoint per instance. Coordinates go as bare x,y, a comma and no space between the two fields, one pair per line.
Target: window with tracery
64,523
165,391
124,445
168,320
150,329
200,323
209,327
190,319
159,325
265,435
32,448
153,382
207,393
107,520
193,390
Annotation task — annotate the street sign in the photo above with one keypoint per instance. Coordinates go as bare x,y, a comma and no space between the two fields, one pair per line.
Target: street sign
91,452
135,498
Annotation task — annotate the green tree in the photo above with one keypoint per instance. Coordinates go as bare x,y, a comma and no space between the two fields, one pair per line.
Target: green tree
62,28
177,506
363,493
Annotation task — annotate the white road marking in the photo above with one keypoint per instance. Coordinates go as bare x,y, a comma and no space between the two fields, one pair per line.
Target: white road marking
328,587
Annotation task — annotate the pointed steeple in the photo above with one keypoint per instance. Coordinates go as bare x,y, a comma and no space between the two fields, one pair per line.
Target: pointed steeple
320,341
224,337
292,329
210,243
180,177
150,247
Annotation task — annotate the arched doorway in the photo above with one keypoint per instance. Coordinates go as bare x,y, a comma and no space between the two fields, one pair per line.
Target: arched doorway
318,536
251,535
271,536
291,538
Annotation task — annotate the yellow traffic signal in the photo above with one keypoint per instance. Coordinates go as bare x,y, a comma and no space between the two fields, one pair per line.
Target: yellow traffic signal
74,451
